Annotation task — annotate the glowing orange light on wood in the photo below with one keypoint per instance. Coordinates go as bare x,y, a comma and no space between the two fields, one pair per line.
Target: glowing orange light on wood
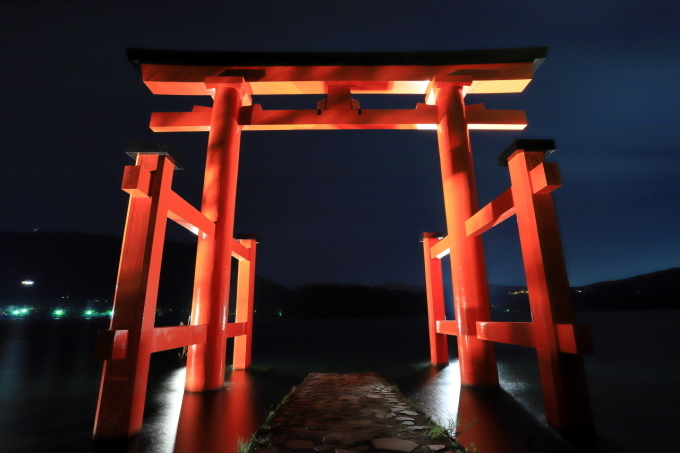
552,332
232,79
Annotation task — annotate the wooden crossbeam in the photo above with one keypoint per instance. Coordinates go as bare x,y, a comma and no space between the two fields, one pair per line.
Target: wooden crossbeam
447,327
168,79
112,344
517,333
189,217
572,338
165,338
440,249
254,118
234,329
239,252
490,215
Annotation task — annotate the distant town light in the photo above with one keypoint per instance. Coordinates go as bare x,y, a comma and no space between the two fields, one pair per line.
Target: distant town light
24,310
58,312
27,282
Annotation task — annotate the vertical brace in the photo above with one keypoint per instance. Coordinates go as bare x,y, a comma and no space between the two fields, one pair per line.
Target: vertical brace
434,285
120,406
245,291
563,381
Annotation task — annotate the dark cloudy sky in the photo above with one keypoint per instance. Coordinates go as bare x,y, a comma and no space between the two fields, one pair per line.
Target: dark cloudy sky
349,206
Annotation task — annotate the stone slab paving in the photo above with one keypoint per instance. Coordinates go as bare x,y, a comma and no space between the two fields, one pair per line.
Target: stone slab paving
348,413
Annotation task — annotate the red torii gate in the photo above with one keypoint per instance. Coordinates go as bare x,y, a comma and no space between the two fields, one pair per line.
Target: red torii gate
231,78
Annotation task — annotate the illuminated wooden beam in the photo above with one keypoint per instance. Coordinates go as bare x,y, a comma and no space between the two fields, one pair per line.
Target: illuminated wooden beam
514,120
572,338
368,79
440,249
239,251
337,119
447,327
490,215
517,333
436,311
165,338
180,121
234,329
254,118
182,212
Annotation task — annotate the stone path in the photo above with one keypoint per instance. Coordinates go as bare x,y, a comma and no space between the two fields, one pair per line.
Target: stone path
348,413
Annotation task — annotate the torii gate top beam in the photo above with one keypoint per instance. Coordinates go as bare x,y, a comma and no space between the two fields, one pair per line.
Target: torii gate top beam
488,71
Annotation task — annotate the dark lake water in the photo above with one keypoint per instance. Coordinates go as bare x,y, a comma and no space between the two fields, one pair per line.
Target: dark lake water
49,384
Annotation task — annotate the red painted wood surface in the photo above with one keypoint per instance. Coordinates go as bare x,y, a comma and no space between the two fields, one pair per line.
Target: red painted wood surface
219,201
491,215
254,118
120,406
552,332
127,345
563,381
245,306
390,79
468,271
447,327
434,286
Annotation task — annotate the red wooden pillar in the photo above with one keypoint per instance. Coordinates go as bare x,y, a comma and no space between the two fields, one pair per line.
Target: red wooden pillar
434,285
124,377
206,362
245,291
563,379
200,309
468,271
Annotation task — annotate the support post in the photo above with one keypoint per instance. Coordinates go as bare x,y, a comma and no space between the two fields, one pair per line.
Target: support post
245,292
122,392
563,379
470,287
434,285
206,362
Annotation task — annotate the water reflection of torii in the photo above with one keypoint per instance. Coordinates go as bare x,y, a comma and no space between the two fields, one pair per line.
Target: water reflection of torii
444,78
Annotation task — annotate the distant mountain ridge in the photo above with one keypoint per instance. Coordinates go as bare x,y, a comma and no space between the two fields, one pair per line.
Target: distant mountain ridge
80,269
656,290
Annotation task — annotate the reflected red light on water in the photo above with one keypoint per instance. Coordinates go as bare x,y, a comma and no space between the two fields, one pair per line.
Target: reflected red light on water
216,421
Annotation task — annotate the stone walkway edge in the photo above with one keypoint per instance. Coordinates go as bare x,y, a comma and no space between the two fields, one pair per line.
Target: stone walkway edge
348,413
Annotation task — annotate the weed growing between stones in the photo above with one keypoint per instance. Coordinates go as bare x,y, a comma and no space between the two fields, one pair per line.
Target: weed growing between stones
245,446
450,431
415,406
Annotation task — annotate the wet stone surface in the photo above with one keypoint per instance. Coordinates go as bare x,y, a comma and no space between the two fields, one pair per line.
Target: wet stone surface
348,413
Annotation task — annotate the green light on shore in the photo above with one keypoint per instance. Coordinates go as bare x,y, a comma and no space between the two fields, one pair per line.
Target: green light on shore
58,312
88,312
16,312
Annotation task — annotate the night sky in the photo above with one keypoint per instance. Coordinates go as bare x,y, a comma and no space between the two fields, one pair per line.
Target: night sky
349,206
